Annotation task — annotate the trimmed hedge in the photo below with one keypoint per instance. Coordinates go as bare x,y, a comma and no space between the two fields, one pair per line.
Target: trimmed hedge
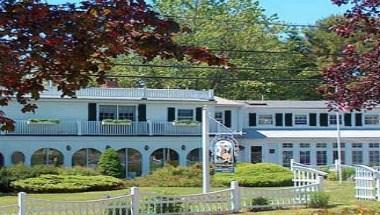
256,175
67,184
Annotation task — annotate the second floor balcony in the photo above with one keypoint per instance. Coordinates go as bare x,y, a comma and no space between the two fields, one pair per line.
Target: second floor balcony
97,128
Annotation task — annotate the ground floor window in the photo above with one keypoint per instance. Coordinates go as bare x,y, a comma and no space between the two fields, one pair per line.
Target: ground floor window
47,156
131,160
374,158
87,157
357,157
321,157
18,158
286,157
163,156
305,157
195,156
335,156
1,160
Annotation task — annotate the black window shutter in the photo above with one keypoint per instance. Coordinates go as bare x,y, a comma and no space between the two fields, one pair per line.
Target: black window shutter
171,114
279,121
198,114
142,112
288,119
252,119
312,119
227,118
91,111
323,119
358,119
347,119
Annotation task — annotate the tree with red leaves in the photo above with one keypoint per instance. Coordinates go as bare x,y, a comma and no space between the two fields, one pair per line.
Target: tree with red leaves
70,45
353,82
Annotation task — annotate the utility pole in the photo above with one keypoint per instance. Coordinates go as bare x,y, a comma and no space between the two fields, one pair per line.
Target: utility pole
338,138
205,151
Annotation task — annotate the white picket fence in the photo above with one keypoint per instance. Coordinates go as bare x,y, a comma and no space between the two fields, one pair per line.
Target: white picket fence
224,201
306,175
367,183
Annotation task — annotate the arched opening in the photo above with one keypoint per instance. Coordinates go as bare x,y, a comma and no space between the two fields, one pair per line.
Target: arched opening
18,158
195,156
47,156
163,156
87,157
131,160
1,160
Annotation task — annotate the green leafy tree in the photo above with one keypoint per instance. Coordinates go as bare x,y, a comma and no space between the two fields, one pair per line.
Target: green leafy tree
110,164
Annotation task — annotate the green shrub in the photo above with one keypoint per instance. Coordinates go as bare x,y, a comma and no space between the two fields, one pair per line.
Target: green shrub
165,205
256,175
347,173
260,201
319,200
170,176
110,164
67,184
78,171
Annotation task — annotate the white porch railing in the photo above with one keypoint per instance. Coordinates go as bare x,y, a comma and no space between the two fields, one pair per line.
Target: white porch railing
137,93
95,128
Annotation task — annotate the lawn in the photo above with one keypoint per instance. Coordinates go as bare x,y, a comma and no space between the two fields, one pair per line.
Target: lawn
341,197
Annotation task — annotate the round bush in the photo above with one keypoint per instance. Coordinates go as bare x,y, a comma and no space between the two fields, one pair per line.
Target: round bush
67,184
110,164
319,200
256,175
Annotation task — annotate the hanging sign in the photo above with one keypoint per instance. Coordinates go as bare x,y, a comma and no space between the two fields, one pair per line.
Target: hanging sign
225,149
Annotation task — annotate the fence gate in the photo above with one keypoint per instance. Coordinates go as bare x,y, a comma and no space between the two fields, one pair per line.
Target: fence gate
367,183
305,174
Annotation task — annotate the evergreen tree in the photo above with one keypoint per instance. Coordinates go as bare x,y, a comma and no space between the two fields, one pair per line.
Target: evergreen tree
110,164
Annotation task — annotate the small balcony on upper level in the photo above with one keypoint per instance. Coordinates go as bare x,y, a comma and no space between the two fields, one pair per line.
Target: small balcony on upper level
98,128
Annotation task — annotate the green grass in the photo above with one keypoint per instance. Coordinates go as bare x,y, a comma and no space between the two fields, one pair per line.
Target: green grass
341,197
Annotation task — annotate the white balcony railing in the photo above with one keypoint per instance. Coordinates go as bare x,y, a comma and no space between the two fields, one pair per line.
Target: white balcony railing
138,93
95,128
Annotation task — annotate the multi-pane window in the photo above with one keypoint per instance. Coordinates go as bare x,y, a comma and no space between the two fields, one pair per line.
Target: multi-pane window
219,117
374,145
305,157
286,157
117,112
287,145
357,145
357,157
371,119
374,158
300,119
342,145
305,145
335,156
321,145
185,114
321,158
265,119
333,119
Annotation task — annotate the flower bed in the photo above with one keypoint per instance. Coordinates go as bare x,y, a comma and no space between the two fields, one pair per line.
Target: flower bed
186,123
43,121
116,122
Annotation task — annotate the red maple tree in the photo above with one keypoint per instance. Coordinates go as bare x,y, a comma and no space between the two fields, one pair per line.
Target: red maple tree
353,82
70,45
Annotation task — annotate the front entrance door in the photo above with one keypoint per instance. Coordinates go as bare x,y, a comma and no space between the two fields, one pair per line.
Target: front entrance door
256,154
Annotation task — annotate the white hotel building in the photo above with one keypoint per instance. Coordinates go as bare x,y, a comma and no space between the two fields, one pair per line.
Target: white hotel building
272,131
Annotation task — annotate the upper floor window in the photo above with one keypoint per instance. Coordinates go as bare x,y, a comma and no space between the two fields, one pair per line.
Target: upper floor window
287,145
342,145
321,145
357,145
371,119
333,120
300,119
374,145
185,114
305,145
219,117
265,119
117,112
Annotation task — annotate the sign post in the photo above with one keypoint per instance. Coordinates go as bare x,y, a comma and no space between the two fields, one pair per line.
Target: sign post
339,148
205,151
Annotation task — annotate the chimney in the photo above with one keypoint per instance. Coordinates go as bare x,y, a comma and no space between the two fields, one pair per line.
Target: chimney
110,83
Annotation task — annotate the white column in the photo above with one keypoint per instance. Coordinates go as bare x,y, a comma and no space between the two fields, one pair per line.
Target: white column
67,160
146,163
235,196
205,147
135,200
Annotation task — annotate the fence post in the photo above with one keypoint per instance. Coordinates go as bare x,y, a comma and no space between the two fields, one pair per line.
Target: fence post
135,201
320,183
377,187
21,203
235,196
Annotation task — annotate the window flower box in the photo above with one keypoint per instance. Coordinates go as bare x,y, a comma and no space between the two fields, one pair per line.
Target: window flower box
185,123
43,122
116,122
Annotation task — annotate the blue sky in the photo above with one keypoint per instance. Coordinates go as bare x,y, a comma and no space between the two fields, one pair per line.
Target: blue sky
292,11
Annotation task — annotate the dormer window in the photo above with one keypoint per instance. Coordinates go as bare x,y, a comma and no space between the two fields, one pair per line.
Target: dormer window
265,119
300,119
372,119
333,120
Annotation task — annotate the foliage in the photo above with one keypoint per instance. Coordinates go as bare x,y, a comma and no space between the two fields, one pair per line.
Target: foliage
116,121
347,173
67,184
73,46
256,175
185,122
260,201
44,121
319,200
352,82
110,164
163,205
78,171
170,176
